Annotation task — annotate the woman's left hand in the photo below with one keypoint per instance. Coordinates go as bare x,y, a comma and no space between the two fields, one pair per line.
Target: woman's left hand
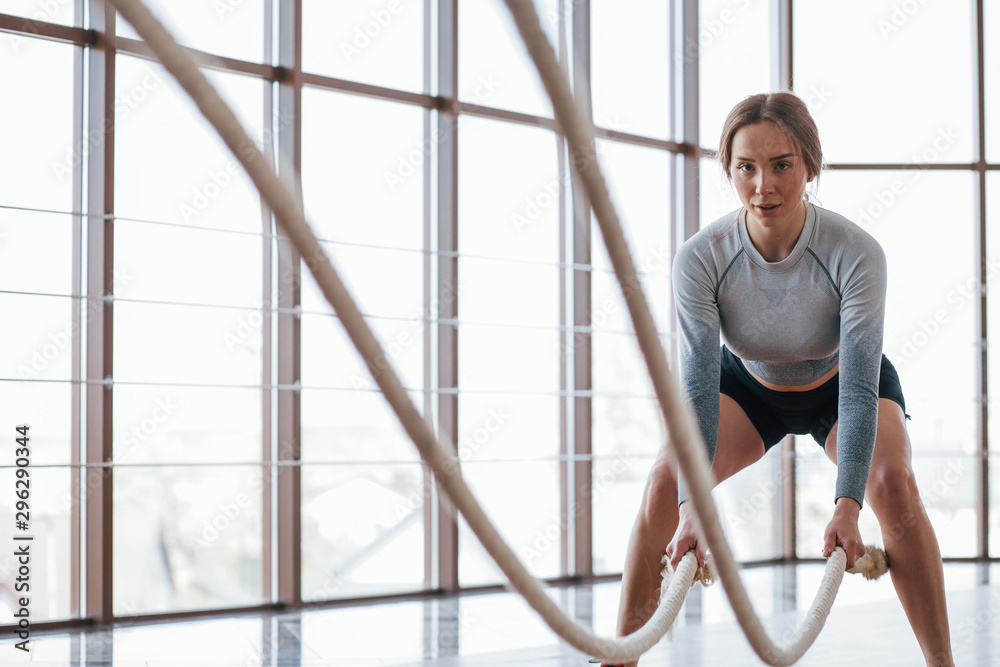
842,531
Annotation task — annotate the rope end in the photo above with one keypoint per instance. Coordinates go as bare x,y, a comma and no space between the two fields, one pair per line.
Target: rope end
873,564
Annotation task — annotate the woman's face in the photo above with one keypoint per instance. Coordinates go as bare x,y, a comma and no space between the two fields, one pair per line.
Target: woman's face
769,175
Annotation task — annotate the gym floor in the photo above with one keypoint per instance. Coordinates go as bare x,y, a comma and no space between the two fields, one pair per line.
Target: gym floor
867,626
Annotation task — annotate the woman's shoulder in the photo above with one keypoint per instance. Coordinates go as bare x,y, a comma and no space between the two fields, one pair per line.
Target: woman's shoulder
719,238
837,233
839,240
839,228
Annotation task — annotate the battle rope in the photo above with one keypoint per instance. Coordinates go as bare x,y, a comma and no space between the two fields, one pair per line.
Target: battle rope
680,423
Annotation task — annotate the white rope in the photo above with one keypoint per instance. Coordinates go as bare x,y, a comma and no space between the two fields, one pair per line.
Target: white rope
679,422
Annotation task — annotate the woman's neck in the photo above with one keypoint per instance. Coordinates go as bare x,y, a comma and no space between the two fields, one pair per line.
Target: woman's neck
776,243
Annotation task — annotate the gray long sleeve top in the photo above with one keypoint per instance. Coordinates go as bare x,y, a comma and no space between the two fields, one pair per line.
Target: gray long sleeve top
790,322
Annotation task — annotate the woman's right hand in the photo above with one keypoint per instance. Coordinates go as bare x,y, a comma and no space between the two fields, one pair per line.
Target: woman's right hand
685,538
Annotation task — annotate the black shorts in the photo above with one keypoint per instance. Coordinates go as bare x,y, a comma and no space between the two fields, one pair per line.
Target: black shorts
775,414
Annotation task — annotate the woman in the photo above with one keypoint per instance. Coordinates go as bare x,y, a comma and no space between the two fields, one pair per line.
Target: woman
798,293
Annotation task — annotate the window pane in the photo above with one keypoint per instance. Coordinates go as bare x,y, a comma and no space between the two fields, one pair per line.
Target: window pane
507,426
362,168
157,425
716,194
385,283
929,333
631,36
187,538
230,28
372,41
41,71
509,189
36,252
494,69
185,344
170,164
615,489
47,408
40,347
329,358
161,263
49,525
528,518
993,325
493,358
639,179
352,425
627,426
749,507
493,292
815,490
733,59
901,58
51,12
618,365
362,530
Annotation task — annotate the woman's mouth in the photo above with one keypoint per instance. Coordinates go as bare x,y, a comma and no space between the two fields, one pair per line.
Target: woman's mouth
767,209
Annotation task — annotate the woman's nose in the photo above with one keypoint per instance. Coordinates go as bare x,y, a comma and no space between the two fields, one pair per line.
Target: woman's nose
763,184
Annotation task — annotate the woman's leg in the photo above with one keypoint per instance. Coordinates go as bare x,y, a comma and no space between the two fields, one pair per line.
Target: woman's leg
738,446
910,543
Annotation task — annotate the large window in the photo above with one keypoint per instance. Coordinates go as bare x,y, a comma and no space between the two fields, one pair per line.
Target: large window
172,355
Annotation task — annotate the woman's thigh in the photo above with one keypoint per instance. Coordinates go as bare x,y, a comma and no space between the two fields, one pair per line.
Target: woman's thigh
738,445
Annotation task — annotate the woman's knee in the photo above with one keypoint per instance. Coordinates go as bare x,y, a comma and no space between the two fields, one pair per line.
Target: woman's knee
892,489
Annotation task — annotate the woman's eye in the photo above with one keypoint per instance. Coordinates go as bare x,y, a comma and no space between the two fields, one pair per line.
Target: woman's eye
781,166
745,167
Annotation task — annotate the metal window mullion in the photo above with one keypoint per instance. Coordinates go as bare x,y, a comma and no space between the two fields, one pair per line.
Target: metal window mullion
781,46
982,356
582,338
567,479
447,279
99,354
685,109
268,489
686,173
782,79
427,268
289,135
77,477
